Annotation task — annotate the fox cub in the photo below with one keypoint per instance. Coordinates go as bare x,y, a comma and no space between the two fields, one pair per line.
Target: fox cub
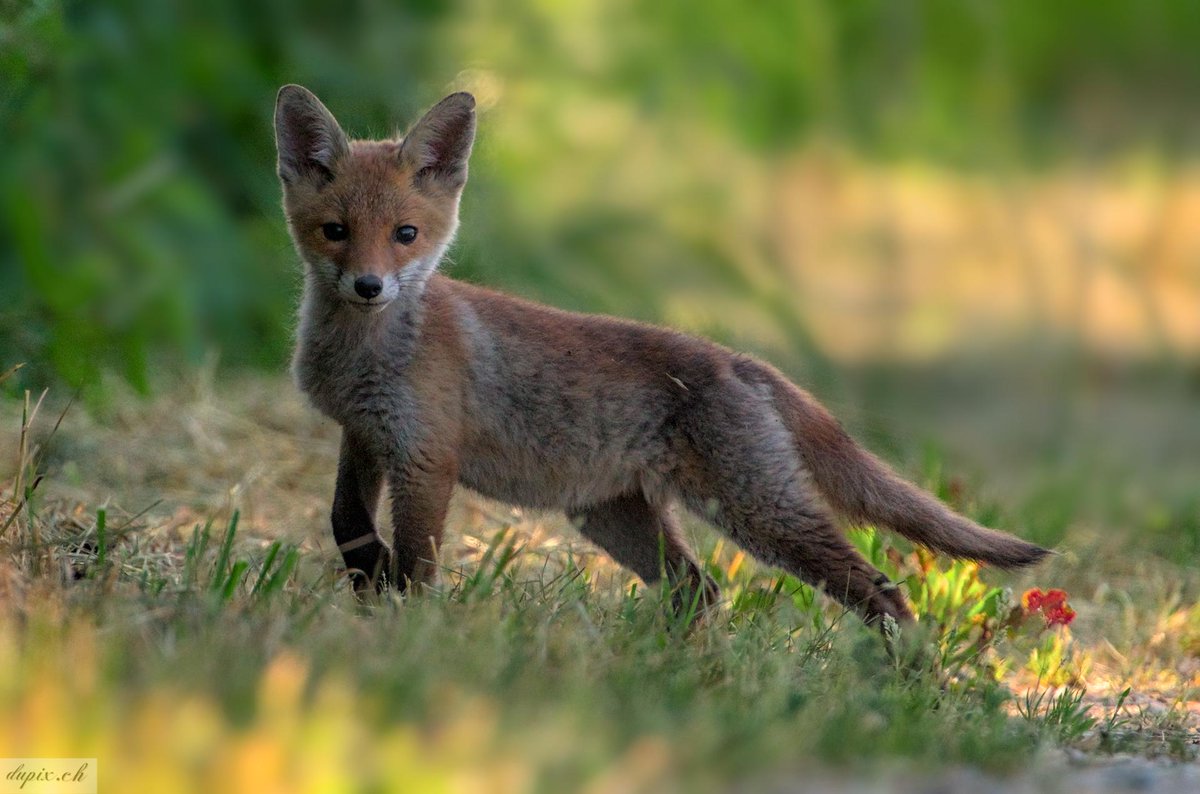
437,382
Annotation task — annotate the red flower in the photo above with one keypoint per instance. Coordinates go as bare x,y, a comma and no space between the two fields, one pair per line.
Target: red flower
1052,604
1059,616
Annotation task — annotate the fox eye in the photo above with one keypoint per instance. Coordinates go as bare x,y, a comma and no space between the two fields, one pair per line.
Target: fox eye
334,231
406,234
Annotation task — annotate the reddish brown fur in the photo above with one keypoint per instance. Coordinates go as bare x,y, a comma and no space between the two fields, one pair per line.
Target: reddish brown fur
614,422
370,187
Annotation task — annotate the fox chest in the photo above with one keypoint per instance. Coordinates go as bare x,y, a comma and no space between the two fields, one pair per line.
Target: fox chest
359,392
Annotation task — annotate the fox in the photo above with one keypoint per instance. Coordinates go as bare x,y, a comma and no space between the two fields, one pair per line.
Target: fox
620,425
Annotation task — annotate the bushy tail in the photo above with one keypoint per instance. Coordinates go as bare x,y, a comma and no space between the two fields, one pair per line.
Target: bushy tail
864,489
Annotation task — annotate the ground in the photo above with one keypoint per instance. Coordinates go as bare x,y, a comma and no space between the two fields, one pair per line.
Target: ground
172,586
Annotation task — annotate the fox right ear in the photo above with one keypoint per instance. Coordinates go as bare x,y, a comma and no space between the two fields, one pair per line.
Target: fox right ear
308,138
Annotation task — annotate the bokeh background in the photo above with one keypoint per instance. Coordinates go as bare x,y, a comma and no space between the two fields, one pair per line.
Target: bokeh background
971,227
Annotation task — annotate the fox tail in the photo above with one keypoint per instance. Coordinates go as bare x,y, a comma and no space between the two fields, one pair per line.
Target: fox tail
865,490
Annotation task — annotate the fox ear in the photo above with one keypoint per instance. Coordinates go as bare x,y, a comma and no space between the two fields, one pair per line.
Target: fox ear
438,146
308,138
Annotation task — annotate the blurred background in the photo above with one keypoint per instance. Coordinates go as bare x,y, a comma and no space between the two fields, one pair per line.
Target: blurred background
971,227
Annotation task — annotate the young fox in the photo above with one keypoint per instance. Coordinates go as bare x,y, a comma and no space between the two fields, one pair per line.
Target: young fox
615,422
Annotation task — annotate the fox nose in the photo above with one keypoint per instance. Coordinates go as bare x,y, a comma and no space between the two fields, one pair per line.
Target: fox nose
368,286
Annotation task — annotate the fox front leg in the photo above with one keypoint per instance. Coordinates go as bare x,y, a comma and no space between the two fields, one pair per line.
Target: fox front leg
355,500
420,488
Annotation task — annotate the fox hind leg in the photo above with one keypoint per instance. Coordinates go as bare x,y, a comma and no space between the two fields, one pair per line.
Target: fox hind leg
745,477
646,539
804,541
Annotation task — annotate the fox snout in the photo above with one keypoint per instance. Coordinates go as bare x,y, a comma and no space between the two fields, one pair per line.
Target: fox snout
367,290
368,286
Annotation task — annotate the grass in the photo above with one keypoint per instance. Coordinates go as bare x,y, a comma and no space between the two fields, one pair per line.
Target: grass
204,640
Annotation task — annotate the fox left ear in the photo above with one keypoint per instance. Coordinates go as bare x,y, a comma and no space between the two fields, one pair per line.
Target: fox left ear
438,146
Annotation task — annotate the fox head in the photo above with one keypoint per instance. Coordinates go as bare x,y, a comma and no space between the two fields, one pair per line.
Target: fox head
371,219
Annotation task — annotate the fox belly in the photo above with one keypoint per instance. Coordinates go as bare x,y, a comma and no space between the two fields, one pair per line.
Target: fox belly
562,475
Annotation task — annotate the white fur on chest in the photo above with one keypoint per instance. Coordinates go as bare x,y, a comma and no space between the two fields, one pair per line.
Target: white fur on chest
354,373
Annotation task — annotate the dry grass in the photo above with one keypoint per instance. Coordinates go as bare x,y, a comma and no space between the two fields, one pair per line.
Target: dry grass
199,453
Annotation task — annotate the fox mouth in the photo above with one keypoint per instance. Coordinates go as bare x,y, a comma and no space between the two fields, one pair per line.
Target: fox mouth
368,307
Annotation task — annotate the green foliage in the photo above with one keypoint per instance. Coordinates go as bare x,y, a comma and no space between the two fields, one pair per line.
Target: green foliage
137,193
139,222
1060,714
